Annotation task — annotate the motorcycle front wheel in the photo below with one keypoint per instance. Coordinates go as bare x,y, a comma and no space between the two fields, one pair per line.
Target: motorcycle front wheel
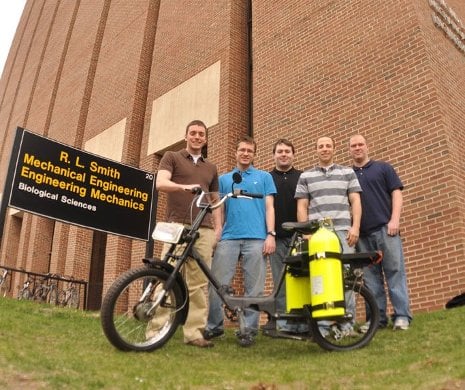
128,316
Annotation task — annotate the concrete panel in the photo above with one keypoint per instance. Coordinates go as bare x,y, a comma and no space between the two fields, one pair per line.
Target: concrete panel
196,98
109,143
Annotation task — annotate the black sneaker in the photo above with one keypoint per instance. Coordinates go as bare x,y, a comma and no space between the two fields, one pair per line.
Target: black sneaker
245,340
209,334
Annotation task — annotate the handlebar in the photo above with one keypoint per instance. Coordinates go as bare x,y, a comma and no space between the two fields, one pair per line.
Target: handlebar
242,193
196,190
235,194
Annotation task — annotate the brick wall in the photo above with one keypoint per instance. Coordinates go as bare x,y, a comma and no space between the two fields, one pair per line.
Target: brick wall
440,256
380,68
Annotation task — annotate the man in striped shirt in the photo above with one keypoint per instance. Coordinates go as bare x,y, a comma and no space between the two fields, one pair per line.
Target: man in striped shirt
331,191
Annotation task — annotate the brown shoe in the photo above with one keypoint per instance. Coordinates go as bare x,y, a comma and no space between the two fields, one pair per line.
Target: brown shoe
201,343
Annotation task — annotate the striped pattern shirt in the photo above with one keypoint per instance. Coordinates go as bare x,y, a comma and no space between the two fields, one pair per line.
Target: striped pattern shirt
328,192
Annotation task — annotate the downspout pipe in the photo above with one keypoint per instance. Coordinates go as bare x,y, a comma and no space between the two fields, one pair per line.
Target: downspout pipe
249,69
148,45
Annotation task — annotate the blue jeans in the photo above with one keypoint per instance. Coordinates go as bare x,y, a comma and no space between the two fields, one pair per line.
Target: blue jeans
277,265
224,263
392,268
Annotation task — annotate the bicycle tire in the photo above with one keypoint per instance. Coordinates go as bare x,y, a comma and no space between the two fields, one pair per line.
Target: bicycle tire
339,335
3,291
61,298
124,317
25,294
39,294
5,285
52,296
73,299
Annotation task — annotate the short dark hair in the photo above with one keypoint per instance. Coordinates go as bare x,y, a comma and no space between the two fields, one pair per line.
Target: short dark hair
283,141
248,140
196,122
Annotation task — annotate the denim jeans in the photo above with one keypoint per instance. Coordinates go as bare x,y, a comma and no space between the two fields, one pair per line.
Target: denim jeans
224,263
277,265
392,268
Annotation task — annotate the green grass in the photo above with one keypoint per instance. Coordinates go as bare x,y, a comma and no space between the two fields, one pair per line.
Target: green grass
54,348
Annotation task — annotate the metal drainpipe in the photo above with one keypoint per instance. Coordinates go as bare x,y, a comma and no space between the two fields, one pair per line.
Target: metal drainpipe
149,42
249,69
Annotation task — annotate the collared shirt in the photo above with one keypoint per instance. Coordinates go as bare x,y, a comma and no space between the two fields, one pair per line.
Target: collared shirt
378,179
246,218
185,171
328,192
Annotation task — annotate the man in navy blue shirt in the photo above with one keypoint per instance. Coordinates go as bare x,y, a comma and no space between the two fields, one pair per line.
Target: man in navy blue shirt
379,230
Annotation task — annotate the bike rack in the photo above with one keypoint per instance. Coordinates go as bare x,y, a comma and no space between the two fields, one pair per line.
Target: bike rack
37,278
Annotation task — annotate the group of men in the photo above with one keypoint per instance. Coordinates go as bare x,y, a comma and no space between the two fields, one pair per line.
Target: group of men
363,201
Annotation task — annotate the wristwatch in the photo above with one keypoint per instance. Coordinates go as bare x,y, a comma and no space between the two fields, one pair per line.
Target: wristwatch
272,233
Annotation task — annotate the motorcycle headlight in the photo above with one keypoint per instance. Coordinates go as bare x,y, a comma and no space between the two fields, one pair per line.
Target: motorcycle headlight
168,232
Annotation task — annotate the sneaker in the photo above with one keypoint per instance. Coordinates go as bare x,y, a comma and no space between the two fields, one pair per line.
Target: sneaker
350,332
200,343
209,334
364,328
245,340
401,323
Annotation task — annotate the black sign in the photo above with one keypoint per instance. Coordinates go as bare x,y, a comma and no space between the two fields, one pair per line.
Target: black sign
67,184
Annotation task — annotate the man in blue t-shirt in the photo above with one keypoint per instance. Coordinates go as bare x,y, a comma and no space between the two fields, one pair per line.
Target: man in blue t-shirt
249,234
379,230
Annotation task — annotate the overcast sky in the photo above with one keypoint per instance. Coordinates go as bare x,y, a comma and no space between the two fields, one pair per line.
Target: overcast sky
10,13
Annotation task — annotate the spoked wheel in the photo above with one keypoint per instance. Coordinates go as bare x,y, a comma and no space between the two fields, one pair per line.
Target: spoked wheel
24,294
39,294
129,318
61,298
344,335
53,296
73,299
4,285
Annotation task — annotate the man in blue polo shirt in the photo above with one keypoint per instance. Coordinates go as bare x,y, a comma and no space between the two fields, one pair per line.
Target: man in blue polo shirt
249,234
379,230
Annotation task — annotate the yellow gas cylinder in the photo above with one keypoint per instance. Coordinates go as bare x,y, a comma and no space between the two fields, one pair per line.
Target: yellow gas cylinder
298,280
326,275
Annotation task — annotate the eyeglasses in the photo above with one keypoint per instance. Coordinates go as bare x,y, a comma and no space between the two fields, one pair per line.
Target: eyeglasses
242,151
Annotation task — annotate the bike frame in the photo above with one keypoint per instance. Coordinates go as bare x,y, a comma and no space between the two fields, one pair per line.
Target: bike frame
235,303
137,325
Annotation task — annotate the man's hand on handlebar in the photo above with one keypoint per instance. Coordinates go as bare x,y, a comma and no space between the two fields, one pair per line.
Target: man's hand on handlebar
192,188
